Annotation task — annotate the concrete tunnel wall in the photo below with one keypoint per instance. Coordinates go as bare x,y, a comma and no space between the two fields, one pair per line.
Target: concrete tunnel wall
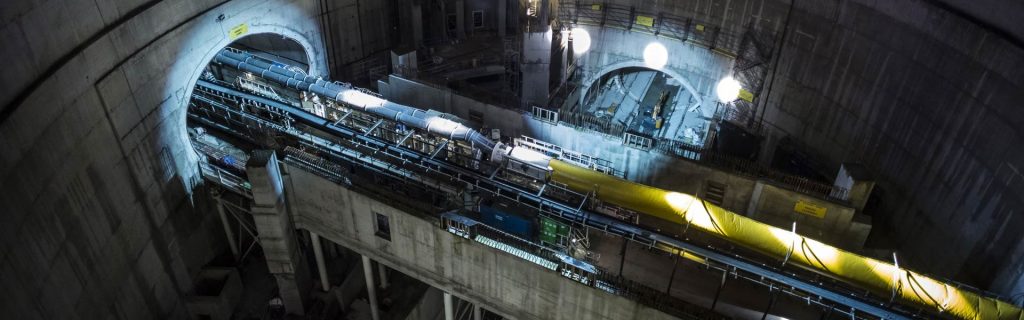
98,216
930,102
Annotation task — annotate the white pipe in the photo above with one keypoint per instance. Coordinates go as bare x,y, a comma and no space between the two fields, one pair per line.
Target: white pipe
321,266
371,290
477,312
449,312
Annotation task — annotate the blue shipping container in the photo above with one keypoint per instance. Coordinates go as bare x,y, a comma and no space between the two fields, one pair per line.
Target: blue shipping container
507,222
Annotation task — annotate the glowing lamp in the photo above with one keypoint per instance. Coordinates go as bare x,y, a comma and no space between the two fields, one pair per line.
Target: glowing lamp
580,40
655,55
728,89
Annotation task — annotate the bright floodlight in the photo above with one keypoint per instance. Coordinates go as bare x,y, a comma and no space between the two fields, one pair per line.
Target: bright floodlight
728,89
655,55
361,99
580,40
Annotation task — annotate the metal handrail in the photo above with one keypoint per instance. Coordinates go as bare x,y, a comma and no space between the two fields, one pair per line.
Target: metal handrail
621,286
681,28
226,179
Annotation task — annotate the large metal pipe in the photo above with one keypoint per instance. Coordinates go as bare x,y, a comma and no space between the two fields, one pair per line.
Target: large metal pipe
356,98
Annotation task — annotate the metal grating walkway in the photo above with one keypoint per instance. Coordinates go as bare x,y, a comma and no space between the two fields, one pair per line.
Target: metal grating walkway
517,252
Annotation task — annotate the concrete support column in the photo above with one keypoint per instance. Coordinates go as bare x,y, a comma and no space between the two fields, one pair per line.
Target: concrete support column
460,19
449,307
321,266
227,225
383,271
371,289
276,232
478,313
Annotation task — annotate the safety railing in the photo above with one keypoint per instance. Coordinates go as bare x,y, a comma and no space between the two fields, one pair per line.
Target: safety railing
686,29
226,179
574,157
600,279
543,114
592,123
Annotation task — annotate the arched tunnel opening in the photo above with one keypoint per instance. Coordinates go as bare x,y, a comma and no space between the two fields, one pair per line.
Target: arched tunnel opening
221,143
648,102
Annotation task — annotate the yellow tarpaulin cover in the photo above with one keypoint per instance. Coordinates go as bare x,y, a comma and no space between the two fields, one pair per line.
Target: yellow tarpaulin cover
880,277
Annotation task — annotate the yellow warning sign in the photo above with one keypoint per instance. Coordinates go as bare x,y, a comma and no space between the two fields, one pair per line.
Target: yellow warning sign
700,27
238,31
746,95
595,7
810,208
645,21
